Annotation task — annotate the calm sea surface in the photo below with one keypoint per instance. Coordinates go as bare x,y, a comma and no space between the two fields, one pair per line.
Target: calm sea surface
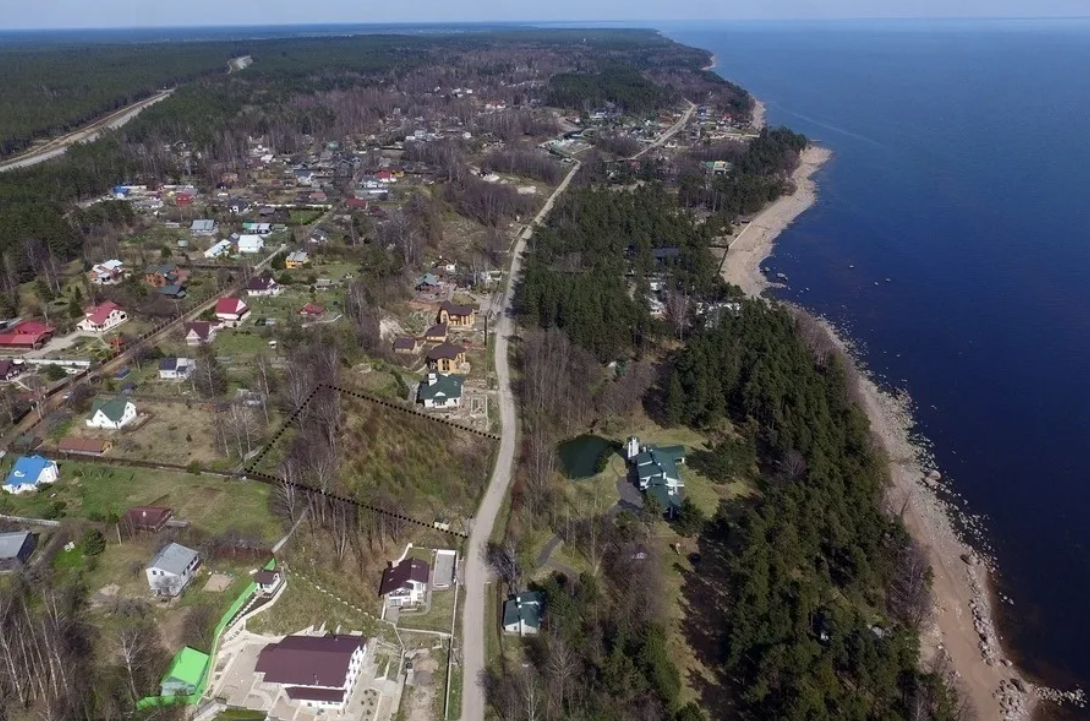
962,174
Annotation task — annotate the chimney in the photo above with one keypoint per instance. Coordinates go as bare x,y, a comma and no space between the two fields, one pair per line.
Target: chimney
432,379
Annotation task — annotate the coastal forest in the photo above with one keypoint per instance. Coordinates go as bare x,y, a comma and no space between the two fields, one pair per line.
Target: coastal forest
812,593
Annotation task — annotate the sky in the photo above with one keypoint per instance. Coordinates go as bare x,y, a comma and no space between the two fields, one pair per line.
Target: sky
152,13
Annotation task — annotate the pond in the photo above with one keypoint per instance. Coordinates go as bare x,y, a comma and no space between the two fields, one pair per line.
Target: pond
585,456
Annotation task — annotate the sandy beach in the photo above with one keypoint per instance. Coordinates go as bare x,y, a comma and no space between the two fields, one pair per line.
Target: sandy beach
962,634
754,243
759,111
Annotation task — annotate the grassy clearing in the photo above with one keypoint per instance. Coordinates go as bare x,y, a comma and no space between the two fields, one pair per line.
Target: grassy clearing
438,616
175,433
429,468
302,605
99,492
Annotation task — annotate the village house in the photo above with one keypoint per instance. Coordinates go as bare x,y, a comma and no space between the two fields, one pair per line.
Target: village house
102,318
176,369
437,333
250,243
199,331
29,474
319,236
406,345
445,265
10,369
149,519
522,613
204,227
164,274
172,291
311,310
26,335
238,206
457,316
440,390
263,287
83,446
220,249
15,549
257,228
317,672
171,570
656,471
231,312
446,357
111,272
405,584
268,581
113,414
298,259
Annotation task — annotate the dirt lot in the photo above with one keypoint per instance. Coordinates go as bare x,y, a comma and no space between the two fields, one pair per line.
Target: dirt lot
420,698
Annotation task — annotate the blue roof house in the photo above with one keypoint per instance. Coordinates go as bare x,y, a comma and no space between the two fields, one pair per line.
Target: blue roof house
29,473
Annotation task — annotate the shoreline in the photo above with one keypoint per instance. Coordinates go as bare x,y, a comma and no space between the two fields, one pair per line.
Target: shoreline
962,635
749,249
712,64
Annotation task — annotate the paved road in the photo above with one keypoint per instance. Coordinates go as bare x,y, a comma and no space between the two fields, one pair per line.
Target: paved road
685,117
85,134
477,572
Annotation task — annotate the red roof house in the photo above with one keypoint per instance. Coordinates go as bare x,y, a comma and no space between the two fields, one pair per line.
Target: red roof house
101,318
27,334
312,310
231,311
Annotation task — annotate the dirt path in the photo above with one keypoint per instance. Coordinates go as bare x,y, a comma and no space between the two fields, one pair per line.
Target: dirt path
477,573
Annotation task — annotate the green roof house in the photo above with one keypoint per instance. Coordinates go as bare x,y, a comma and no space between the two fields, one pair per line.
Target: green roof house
185,674
112,414
657,471
522,613
440,390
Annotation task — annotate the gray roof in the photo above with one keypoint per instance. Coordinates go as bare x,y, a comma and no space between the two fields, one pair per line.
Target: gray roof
173,558
12,543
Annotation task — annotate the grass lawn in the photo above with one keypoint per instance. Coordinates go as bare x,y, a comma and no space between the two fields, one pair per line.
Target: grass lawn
438,616
302,605
176,433
97,491
429,468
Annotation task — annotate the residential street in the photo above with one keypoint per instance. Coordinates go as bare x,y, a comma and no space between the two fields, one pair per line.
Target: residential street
477,572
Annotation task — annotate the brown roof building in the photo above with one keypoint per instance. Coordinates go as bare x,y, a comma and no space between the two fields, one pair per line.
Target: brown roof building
147,518
83,446
446,357
457,316
318,671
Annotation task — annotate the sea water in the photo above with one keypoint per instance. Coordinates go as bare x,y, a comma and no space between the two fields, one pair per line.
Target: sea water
952,240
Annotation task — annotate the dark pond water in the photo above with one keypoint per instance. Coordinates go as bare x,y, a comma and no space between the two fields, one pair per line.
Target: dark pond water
580,456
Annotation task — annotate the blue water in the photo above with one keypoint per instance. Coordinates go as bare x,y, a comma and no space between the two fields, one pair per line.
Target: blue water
962,174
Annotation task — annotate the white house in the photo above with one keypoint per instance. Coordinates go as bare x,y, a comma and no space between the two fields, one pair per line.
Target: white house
101,318
269,581
316,672
440,390
231,311
204,226
522,613
220,250
110,272
199,331
257,228
176,369
250,243
29,474
112,415
172,569
261,287
405,584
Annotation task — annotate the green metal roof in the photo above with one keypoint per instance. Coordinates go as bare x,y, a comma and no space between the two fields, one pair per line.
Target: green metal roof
655,462
445,386
188,667
113,409
526,607
669,501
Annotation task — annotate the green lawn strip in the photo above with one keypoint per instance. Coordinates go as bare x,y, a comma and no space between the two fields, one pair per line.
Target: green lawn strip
100,492
438,616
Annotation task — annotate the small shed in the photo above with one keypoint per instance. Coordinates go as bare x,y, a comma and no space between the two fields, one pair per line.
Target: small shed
186,673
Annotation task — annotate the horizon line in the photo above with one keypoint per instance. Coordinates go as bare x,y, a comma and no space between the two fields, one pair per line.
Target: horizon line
536,23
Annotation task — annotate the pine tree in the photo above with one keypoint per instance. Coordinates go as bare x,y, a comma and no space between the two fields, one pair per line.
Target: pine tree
675,401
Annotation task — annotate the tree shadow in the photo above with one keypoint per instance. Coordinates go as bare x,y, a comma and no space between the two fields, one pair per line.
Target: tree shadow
704,593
